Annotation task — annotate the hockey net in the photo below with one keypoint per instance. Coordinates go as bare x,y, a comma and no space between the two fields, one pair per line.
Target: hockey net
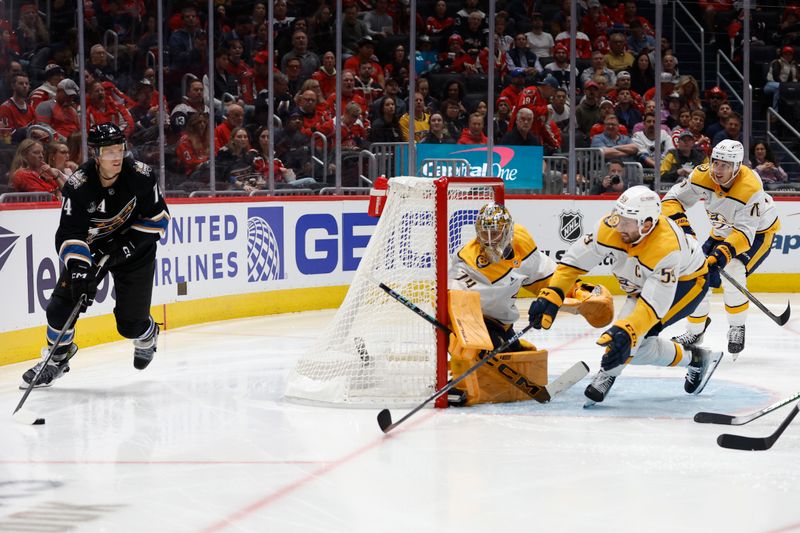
375,351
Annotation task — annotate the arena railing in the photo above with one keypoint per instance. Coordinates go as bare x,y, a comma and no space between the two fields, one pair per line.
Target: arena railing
788,129
372,167
283,192
701,47
23,197
346,191
323,162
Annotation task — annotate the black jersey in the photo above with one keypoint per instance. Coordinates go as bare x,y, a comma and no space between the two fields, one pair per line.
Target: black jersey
92,215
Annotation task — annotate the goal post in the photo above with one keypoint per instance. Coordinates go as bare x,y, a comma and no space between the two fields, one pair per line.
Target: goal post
375,352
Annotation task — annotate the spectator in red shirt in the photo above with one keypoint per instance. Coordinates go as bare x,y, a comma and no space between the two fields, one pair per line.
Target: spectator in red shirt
595,23
473,133
234,118
29,172
354,134
101,108
192,150
53,74
312,115
366,85
60,113
348,93
16,113
366,53
439,22
326,74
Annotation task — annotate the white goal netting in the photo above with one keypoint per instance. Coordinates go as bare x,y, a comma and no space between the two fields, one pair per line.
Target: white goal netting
376,351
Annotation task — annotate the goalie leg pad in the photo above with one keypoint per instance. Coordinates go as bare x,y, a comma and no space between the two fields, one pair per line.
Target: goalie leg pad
508,377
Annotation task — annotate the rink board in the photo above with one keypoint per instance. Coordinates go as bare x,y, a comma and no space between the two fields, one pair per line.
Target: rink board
229,258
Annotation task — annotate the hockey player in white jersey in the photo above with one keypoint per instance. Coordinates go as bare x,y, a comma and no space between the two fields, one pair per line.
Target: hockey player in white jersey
743,223
501,259
664,273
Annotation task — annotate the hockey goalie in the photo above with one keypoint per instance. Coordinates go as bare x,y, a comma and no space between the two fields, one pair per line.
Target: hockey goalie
486,275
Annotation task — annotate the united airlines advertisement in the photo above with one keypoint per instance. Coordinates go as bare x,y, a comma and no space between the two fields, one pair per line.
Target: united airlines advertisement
231,248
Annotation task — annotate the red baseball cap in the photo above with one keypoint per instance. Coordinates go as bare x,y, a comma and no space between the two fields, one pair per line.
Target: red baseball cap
787,50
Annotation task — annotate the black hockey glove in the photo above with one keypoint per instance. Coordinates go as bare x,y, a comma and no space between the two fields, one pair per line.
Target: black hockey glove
543,310
118,252
618,340
82,281
717,260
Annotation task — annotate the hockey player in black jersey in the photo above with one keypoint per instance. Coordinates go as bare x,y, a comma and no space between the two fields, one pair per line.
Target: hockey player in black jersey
111,206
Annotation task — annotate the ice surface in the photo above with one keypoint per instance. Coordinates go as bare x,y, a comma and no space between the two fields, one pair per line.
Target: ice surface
202,441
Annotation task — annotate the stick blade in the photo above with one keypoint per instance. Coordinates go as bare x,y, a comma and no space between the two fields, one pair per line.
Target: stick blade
784,318
573,375
385,420
740,442
26,418
713,418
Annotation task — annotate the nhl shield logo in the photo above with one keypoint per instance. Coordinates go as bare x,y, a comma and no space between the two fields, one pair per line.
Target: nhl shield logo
571,226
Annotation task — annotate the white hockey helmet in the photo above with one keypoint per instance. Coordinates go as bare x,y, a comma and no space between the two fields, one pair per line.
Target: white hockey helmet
494,229
641,204
730,151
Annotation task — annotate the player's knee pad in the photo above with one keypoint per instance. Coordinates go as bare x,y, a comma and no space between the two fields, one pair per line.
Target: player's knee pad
58,311
132,329
738,272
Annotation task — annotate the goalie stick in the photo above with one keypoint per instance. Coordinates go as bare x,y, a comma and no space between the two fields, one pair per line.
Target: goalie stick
740,442
519,380
730,420
577,372
780,320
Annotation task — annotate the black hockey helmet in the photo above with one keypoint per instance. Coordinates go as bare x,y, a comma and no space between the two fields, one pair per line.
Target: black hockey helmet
106,134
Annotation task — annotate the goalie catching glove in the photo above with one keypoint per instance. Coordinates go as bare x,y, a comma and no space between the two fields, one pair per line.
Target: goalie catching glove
618,341
593,302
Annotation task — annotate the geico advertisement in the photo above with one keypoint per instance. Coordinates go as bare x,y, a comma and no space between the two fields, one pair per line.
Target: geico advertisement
234,248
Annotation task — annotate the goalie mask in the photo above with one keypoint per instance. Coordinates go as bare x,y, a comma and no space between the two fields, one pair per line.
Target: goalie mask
494,230
633,209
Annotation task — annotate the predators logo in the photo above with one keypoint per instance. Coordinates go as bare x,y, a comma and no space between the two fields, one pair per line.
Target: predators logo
718,221
100,227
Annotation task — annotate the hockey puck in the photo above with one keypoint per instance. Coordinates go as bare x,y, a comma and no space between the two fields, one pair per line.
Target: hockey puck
38,422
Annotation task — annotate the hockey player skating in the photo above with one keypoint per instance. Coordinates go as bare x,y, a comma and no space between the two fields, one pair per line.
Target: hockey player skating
112,207
664,273
743,223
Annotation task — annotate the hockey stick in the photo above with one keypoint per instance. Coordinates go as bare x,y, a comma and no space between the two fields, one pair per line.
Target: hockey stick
385,417
27,419
513,376
740,442
730,420
780,320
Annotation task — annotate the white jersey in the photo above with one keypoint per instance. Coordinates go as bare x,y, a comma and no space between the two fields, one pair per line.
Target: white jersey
498,283
649,270
736,215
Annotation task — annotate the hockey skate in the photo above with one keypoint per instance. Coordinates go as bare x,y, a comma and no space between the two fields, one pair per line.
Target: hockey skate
56,367
143,349
735,340
699,371
692,339
596,391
